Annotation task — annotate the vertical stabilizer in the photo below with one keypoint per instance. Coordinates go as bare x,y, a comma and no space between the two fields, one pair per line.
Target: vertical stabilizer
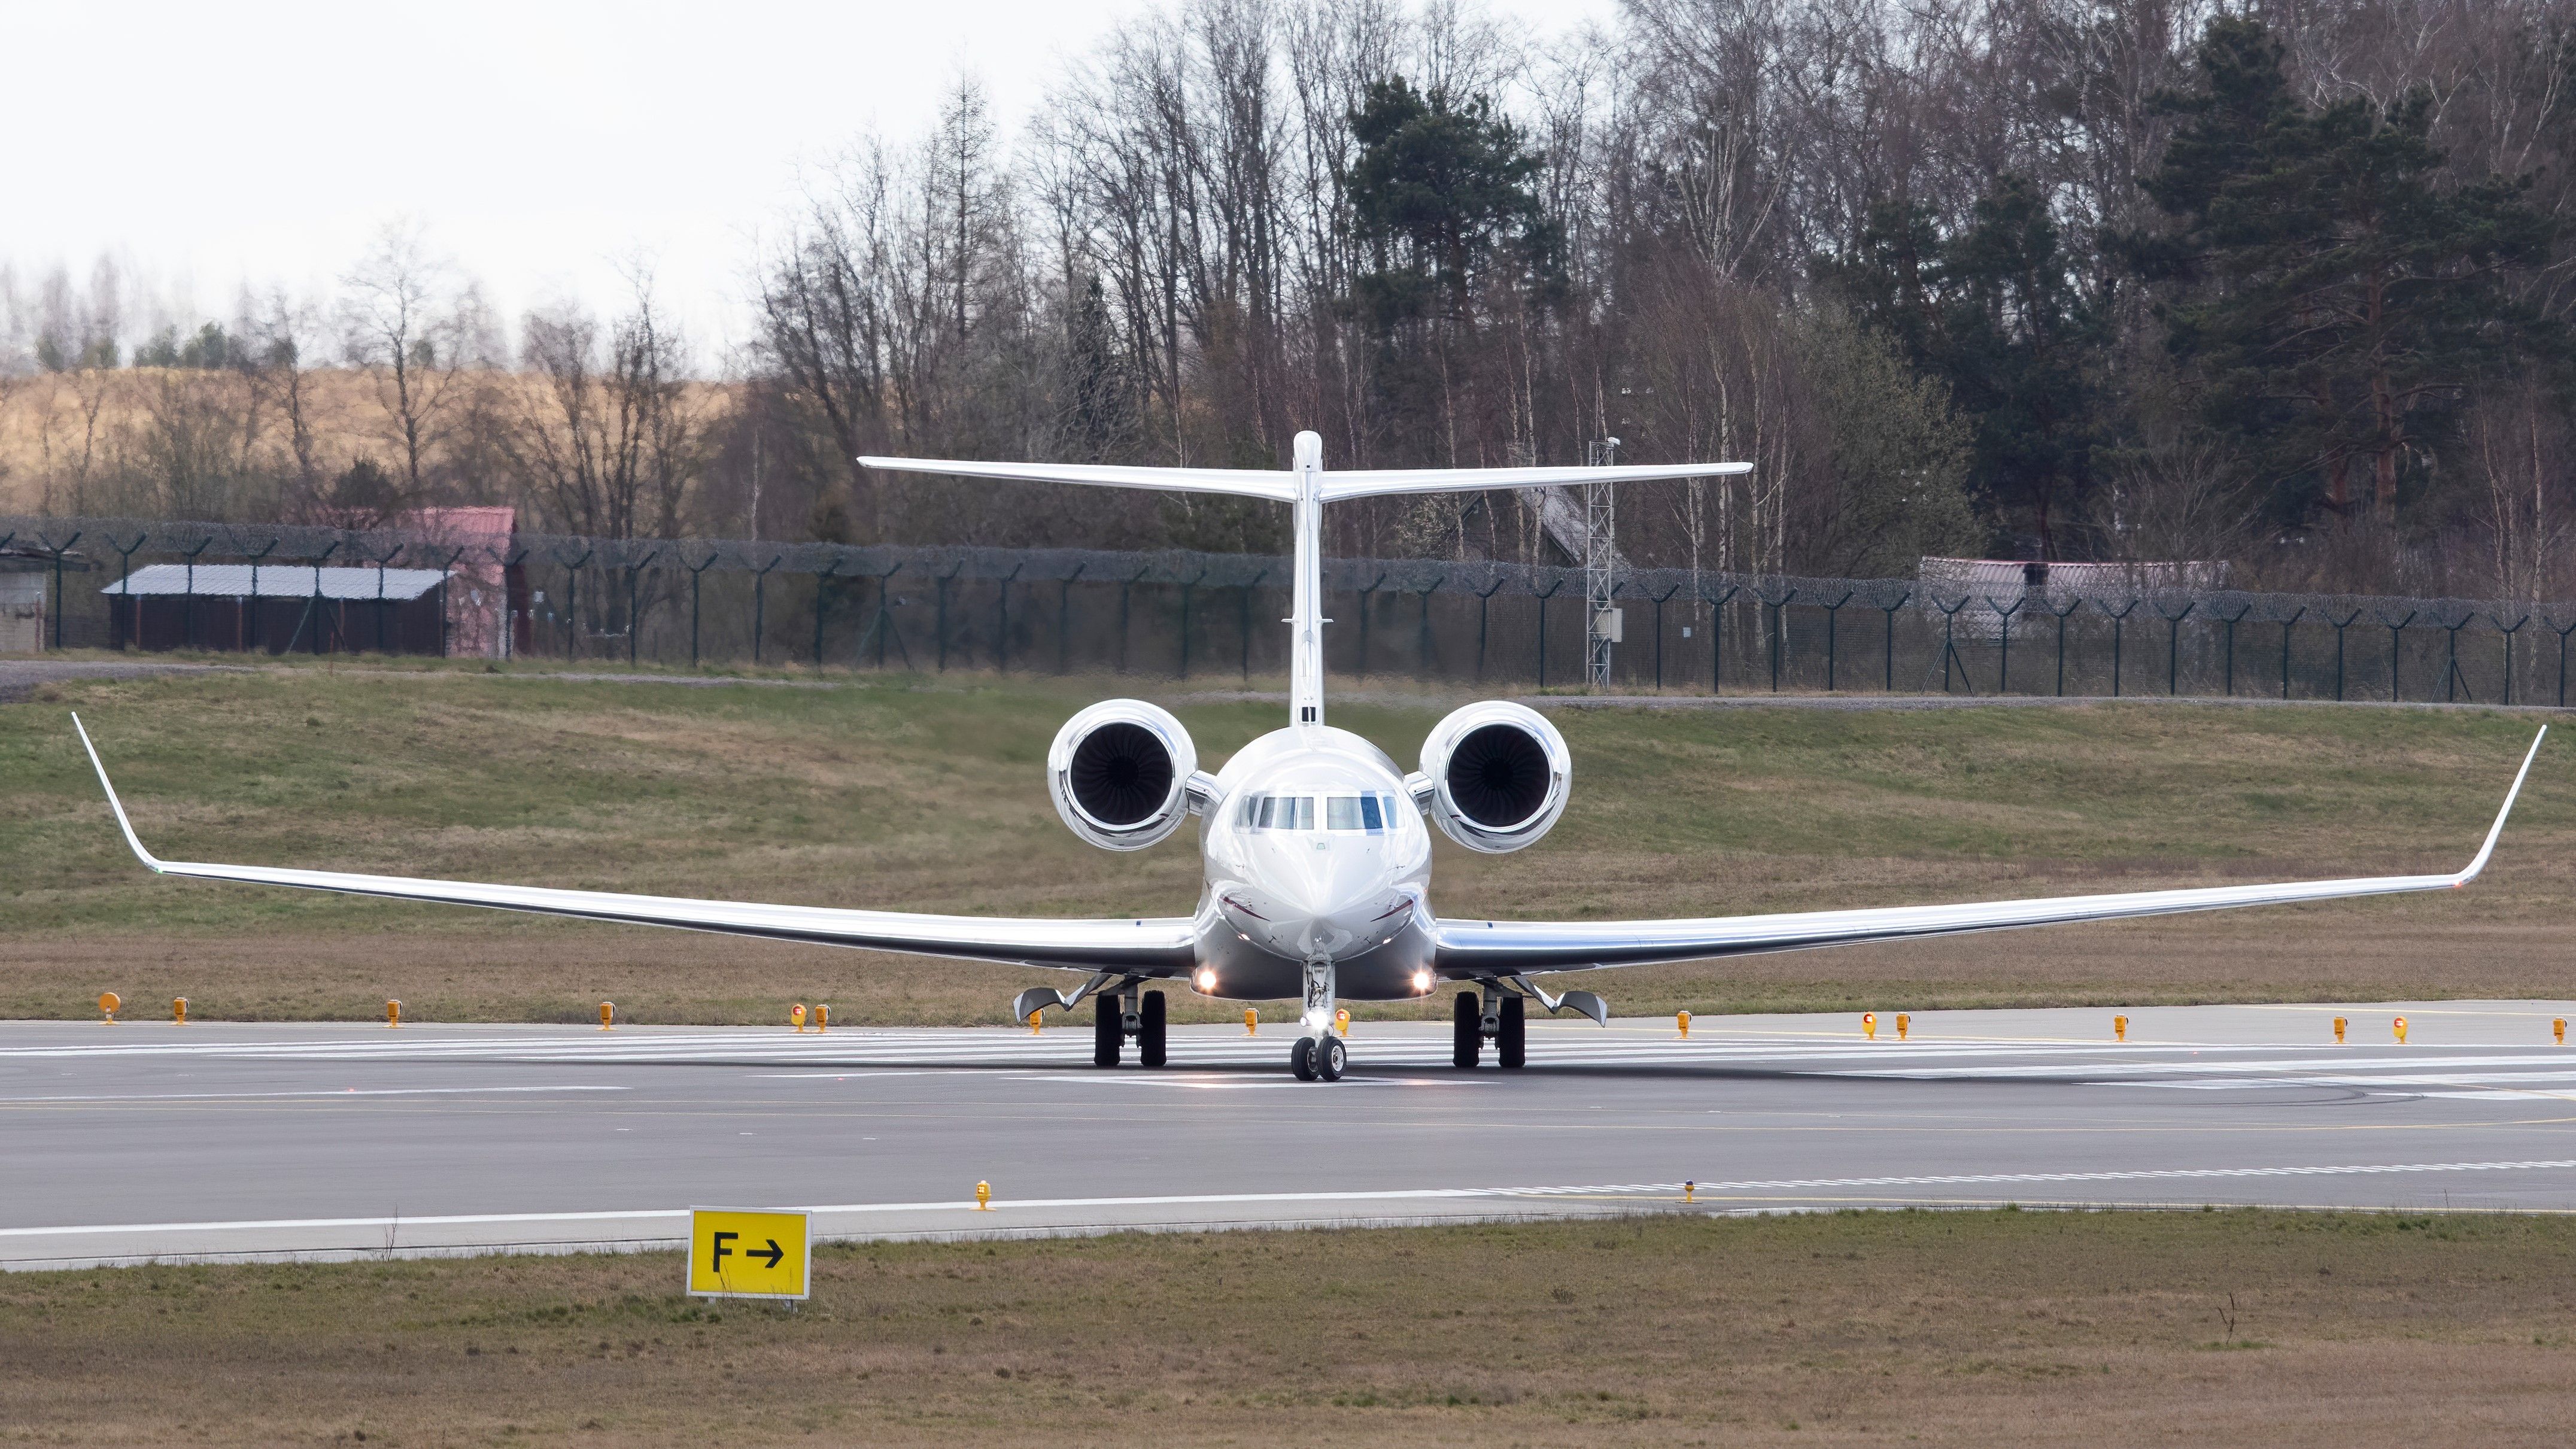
1306,599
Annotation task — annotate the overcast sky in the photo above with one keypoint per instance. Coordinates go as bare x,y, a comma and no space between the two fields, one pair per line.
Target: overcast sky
539,142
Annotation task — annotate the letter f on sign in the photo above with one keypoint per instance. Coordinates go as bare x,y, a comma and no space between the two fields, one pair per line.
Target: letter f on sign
721,1251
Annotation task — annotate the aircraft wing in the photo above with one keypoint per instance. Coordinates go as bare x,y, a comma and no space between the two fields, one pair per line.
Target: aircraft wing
1154,947
1479,949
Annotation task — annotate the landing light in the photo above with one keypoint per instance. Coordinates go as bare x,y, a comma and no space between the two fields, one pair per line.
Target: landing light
1205,980
1422,983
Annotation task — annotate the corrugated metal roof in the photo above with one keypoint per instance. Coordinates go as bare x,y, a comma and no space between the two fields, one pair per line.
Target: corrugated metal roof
277,581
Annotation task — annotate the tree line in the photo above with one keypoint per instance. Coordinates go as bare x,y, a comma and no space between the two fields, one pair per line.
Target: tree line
2128,280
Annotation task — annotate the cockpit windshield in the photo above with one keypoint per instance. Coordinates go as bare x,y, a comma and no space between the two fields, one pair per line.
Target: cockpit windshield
1370,812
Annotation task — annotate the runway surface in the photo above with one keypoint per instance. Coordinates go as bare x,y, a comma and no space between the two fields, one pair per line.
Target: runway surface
150,1140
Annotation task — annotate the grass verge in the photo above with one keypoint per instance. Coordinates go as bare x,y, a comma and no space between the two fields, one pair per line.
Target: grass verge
906,793
1985,1328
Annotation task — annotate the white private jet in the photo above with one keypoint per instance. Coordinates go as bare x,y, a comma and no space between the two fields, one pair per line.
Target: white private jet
1318,860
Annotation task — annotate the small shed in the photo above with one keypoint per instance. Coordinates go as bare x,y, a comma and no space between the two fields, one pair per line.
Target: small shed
281,609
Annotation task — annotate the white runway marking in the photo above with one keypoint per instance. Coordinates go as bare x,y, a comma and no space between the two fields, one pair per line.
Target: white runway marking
282,1096
1649,1190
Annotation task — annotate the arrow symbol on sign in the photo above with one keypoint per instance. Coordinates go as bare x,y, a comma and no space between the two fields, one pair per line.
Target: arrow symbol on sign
773,1255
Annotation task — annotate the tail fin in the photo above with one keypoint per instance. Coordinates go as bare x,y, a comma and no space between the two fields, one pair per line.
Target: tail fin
1307,486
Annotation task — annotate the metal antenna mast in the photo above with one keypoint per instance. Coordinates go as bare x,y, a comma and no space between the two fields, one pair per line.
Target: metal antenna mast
1600,565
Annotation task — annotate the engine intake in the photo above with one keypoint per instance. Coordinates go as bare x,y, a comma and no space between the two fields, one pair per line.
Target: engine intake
1494,776
1120,774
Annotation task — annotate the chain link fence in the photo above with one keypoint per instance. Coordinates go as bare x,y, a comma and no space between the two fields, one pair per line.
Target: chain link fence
1179,615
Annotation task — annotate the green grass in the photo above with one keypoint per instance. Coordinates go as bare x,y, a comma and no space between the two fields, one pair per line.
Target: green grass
1985,1328
917,794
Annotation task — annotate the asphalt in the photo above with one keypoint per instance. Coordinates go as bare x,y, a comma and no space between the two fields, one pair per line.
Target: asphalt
149,1140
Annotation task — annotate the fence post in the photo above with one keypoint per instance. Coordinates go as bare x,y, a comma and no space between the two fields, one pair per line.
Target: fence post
58,550
1779,630
634,623
2173,645
2508,634
1542,630
1364,621
1124,586
1423,653
1887,684
1482,601
1659,638
572,600
380,595
188,600
881,625
1187,590
2119,622
2061,642
125,582
822,593
2393,695
1949,645
2552,626
2003,633
2452,678
2338,628
446,572
1717,637
696,571
250,626
1833,623
2241,611
1246,642
760,604
2285,654
1002,622
1063,618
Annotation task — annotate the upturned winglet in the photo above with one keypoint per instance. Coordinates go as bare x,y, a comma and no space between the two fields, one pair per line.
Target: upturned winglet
2496,830
118,806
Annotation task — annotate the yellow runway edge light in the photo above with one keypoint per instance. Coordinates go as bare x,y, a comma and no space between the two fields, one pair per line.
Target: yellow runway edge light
749,1253
108,1002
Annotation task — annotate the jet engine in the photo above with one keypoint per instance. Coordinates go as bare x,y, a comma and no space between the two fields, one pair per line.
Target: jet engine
1122,773
1494,776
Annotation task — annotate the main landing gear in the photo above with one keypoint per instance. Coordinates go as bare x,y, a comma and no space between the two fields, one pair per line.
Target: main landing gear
1501,1015
1129,1015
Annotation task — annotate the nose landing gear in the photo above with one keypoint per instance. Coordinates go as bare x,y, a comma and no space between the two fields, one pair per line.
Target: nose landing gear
1319,1058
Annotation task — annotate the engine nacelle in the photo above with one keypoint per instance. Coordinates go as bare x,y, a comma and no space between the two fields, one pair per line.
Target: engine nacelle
1494,776
1121,773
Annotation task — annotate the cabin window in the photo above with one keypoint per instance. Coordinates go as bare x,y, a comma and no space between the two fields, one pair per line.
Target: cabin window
1279,812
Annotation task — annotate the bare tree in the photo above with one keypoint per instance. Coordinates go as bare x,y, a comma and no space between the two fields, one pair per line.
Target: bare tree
412,326
612,442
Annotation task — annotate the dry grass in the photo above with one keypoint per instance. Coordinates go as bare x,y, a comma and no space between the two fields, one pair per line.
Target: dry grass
2255,1328
901,794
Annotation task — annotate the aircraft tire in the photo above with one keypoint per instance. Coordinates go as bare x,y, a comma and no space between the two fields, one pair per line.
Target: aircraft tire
1106,1038
1301,1059
1150,1039
1511,1044
1467,1031
1331,1058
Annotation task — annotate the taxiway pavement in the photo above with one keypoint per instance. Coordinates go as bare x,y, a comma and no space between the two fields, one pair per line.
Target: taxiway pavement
148,1140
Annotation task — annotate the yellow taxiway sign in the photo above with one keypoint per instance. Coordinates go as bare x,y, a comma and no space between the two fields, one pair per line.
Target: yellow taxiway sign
748,1253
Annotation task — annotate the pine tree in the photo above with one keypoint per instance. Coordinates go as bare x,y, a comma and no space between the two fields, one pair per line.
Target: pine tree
2333,299
1994,312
